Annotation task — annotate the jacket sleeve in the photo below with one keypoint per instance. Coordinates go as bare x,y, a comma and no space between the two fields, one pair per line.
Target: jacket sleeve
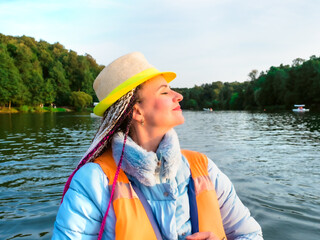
237,221
81,212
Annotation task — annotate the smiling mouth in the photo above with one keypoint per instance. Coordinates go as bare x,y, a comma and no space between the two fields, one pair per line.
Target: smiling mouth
177,108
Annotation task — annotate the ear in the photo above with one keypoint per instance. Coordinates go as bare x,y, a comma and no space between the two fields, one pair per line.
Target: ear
137,113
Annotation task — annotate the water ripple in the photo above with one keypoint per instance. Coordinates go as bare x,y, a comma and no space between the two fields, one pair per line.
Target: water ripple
272,159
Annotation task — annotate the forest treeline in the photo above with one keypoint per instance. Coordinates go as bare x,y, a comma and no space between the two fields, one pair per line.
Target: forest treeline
37,73
278,88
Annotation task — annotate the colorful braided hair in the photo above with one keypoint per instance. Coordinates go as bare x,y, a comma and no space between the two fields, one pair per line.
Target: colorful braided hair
117,117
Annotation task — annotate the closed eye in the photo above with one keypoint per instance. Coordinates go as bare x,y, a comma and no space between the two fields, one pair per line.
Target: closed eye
165,87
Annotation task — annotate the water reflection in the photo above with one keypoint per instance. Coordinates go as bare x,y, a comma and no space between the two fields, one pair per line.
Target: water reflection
272,158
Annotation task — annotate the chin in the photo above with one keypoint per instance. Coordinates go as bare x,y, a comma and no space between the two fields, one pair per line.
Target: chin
180,120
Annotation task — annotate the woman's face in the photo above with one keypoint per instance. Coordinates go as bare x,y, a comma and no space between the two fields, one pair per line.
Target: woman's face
159,105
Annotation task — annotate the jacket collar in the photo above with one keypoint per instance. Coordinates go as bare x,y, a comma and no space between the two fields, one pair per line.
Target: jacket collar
143,165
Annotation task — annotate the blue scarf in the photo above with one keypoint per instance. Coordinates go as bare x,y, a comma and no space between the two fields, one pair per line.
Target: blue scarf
149,168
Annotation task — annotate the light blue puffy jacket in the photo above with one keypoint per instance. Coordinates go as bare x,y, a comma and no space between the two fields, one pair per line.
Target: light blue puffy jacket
163,178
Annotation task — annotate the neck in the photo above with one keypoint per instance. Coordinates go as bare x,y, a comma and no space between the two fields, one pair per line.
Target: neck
149,139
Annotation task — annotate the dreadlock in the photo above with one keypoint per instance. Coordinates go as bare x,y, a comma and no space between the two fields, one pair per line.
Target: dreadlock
117,117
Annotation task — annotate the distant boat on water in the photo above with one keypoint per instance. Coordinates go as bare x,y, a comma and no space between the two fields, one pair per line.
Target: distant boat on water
207,109
92,114
300,108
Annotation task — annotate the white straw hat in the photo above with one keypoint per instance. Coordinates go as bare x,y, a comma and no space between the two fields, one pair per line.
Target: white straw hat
121,76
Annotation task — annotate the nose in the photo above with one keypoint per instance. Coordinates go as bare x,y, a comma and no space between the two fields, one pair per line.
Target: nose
178,96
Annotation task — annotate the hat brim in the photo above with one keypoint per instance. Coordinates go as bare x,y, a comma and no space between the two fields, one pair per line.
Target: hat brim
128,85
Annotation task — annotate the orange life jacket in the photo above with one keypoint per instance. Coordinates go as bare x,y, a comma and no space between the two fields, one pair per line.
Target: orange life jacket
132,221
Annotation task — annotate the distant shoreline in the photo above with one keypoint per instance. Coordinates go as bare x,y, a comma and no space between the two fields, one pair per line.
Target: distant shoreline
30,109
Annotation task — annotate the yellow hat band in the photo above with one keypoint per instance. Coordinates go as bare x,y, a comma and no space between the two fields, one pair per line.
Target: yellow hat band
128,85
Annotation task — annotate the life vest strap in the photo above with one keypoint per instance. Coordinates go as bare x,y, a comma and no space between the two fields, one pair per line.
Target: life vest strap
148,210
193,207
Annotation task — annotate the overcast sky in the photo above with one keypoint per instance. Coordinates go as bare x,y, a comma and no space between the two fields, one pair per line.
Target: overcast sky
201,40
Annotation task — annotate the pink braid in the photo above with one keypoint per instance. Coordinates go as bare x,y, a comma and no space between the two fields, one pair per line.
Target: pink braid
102,142
113,188
115,178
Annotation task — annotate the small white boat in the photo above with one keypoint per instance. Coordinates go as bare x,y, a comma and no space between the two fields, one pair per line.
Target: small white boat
94,116
207,109
300,108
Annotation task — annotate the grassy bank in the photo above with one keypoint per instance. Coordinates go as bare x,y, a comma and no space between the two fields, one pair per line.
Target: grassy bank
26,109
8,110
32,109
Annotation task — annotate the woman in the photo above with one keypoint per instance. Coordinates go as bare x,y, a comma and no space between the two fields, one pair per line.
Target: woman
134,182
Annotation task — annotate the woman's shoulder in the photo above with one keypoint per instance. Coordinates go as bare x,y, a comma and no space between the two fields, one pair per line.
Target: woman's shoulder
88,171
200,159
82,209
216,175
89,180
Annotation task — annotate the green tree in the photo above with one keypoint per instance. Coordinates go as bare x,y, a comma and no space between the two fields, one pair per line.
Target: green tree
70,63
11,86
49,94
57,77
80,100
45,57
253,75
37,88
249,99
192,104
46,72
225,96
297,62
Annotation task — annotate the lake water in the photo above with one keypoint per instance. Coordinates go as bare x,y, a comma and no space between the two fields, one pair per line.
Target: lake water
272,158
